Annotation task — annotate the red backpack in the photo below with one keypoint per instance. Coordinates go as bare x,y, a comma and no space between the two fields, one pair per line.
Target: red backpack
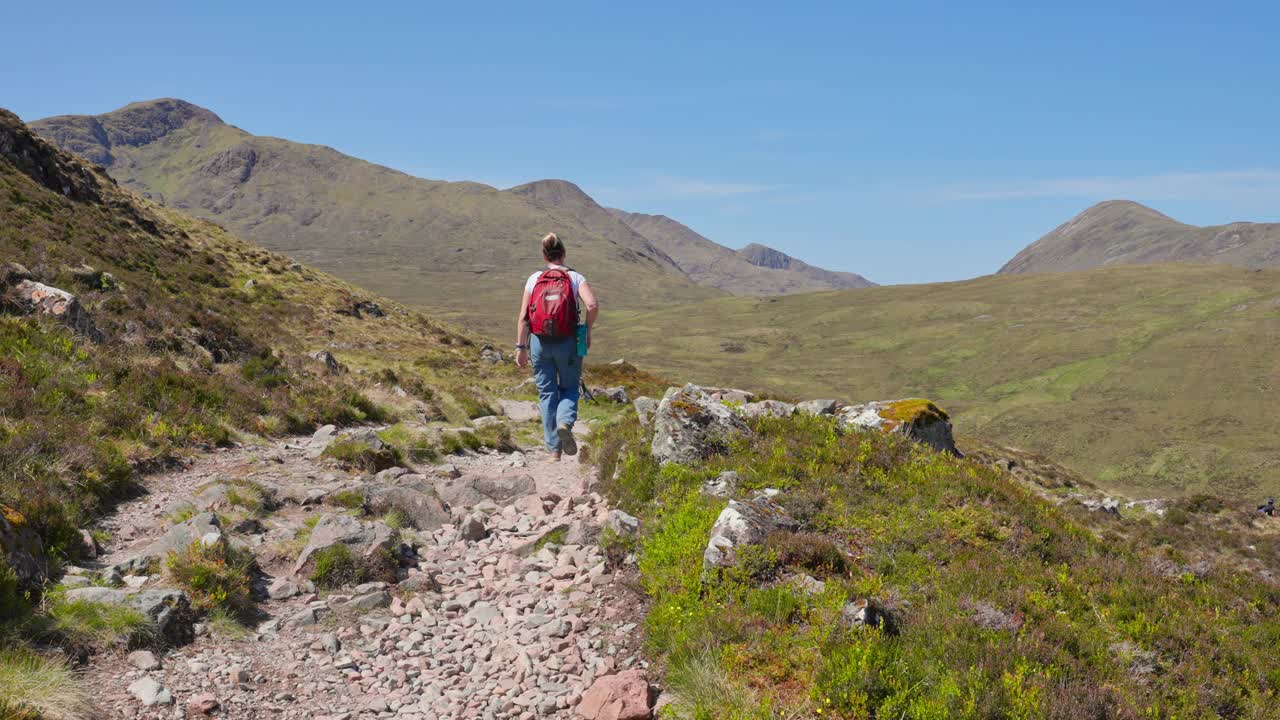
553,307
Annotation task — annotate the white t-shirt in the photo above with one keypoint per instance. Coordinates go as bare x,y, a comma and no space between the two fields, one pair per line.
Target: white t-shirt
575,277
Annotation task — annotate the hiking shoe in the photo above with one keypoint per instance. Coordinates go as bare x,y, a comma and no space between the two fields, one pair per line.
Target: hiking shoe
567,444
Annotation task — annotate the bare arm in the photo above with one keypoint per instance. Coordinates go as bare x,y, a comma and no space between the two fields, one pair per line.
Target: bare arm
522,330
593,307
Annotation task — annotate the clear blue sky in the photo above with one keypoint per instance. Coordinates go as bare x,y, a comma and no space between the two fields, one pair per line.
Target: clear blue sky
909,142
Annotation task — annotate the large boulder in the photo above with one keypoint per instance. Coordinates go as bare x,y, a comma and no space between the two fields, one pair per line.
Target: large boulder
744,522
689,426
365,539
729,395
330,363
520,410
21,548
168,609
645,407
768,408
36,298
722,486
472,488
205,527
614,394
916,418
824,406
624,696
417,501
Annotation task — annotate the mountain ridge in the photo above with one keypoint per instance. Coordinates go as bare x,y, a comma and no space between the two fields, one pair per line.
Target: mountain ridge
1123,232
739,272
461,248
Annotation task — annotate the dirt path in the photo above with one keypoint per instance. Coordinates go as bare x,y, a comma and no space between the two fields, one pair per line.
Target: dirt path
503,630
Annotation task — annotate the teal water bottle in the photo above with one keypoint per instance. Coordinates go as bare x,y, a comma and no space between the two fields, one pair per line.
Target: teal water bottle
582,341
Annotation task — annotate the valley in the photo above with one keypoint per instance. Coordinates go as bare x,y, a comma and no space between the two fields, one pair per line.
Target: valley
1153,380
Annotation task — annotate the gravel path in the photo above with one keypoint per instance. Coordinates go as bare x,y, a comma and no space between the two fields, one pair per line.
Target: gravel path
491,629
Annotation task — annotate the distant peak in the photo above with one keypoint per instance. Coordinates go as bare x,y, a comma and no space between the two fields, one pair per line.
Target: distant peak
766,257
554,192
1112,208
172,108
134,125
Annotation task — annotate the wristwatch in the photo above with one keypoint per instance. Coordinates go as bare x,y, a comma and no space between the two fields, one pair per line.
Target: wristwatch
522,347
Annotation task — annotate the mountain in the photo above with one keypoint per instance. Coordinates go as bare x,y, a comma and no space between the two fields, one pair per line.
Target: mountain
460,247
1154,380
563,198
1120,232
767,257
754,270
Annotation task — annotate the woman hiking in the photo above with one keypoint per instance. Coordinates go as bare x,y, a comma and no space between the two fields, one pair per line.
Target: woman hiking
554,330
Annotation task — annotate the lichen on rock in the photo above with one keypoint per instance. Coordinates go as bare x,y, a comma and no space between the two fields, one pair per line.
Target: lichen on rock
689,426
917,418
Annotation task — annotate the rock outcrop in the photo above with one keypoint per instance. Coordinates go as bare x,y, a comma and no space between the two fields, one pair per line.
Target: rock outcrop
205,527
744,522
468,490
645,407
825,406
365,539
768,408
624,696
168,609
33,298
21,548
416,501
689,426
918,419
722,486
330,363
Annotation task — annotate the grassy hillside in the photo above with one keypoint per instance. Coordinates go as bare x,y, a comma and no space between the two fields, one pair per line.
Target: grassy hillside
1154,380
461,248
202,338
998,604
754,270
1119,232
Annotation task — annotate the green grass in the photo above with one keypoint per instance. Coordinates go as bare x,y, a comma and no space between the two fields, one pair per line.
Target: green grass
216,576
225,623
337,566
96,627
361,455
35,687
1092,368
349,499
412,445
928,536
249,497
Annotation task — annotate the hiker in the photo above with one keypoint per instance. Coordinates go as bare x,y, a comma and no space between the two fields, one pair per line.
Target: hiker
553,331
1268,508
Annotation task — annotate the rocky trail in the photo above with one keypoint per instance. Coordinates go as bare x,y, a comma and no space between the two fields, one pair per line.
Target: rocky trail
504,605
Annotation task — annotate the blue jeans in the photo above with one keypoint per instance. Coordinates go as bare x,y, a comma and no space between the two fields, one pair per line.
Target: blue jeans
557,370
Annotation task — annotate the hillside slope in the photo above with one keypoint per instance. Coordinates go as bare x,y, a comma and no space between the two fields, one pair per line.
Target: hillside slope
852,575
753,270
460,247
1119,232
179,336
1155,380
